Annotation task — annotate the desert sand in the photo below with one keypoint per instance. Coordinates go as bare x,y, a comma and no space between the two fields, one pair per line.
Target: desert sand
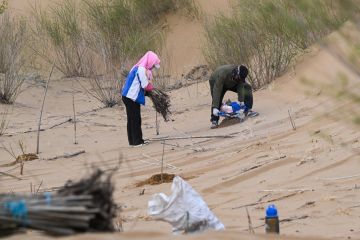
313,170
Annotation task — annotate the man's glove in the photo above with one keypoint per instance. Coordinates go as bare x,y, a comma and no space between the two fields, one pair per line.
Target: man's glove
215,112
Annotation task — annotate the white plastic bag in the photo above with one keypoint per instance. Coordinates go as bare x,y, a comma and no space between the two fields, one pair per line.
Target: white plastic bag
226,108
184,209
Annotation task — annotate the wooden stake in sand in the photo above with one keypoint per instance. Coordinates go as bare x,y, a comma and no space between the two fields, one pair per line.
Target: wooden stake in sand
22,167
42,108
157,124
74,112
251,228
162,161
292,121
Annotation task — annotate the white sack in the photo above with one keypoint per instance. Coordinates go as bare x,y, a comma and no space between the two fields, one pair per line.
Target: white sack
184,209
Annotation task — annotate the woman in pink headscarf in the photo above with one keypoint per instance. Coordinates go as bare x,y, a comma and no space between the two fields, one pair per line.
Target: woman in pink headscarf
133,94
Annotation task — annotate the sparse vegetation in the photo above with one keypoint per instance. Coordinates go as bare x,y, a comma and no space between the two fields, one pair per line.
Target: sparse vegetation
12,43
103,39
20,159
60,39
116,30
267,35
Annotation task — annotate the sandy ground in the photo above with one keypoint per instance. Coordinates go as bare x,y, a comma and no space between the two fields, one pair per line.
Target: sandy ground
264,161
185,37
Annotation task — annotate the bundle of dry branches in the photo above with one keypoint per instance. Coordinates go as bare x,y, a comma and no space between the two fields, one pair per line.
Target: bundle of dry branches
161,102
83,206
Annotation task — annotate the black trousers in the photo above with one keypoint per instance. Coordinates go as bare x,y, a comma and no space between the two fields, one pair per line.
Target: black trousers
248,98
133,121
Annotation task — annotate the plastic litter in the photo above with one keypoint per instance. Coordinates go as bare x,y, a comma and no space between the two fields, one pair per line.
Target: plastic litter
184,209
232,110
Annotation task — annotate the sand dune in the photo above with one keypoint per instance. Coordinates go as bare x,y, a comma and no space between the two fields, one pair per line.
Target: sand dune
266,159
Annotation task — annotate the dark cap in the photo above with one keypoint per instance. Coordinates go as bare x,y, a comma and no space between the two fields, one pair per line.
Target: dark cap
240,72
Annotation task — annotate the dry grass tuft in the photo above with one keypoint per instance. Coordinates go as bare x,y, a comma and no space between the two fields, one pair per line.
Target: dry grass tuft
12,42
156,179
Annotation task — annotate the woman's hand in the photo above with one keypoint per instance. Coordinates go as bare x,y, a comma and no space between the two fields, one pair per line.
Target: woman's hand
149,87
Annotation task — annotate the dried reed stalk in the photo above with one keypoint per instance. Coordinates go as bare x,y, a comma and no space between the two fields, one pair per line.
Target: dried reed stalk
41,111
74,113
162,161
251,228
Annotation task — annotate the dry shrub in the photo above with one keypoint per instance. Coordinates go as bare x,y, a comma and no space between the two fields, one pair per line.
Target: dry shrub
106,88
12,43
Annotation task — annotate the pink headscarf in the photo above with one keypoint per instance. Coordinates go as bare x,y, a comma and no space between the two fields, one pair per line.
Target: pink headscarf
148,61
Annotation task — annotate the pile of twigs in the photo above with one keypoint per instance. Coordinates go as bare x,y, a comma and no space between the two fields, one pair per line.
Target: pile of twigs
161,103
83,206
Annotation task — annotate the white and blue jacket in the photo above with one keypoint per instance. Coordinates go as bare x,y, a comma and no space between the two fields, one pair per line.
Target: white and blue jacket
135,84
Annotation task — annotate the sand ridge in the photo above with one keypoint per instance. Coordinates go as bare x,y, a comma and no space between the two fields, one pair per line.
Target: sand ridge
266,161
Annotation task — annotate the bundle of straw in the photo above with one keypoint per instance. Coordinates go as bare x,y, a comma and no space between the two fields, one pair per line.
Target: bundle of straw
83,206
161,103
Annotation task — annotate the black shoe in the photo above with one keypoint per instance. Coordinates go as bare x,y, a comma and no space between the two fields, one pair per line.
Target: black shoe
144,143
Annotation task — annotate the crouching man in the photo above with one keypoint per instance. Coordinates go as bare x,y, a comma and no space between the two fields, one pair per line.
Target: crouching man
230,78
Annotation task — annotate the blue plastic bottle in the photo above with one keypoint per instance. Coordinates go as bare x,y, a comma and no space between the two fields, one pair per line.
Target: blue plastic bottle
272,220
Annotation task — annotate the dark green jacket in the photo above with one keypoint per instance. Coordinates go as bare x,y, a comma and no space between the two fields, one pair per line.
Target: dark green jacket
221,81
